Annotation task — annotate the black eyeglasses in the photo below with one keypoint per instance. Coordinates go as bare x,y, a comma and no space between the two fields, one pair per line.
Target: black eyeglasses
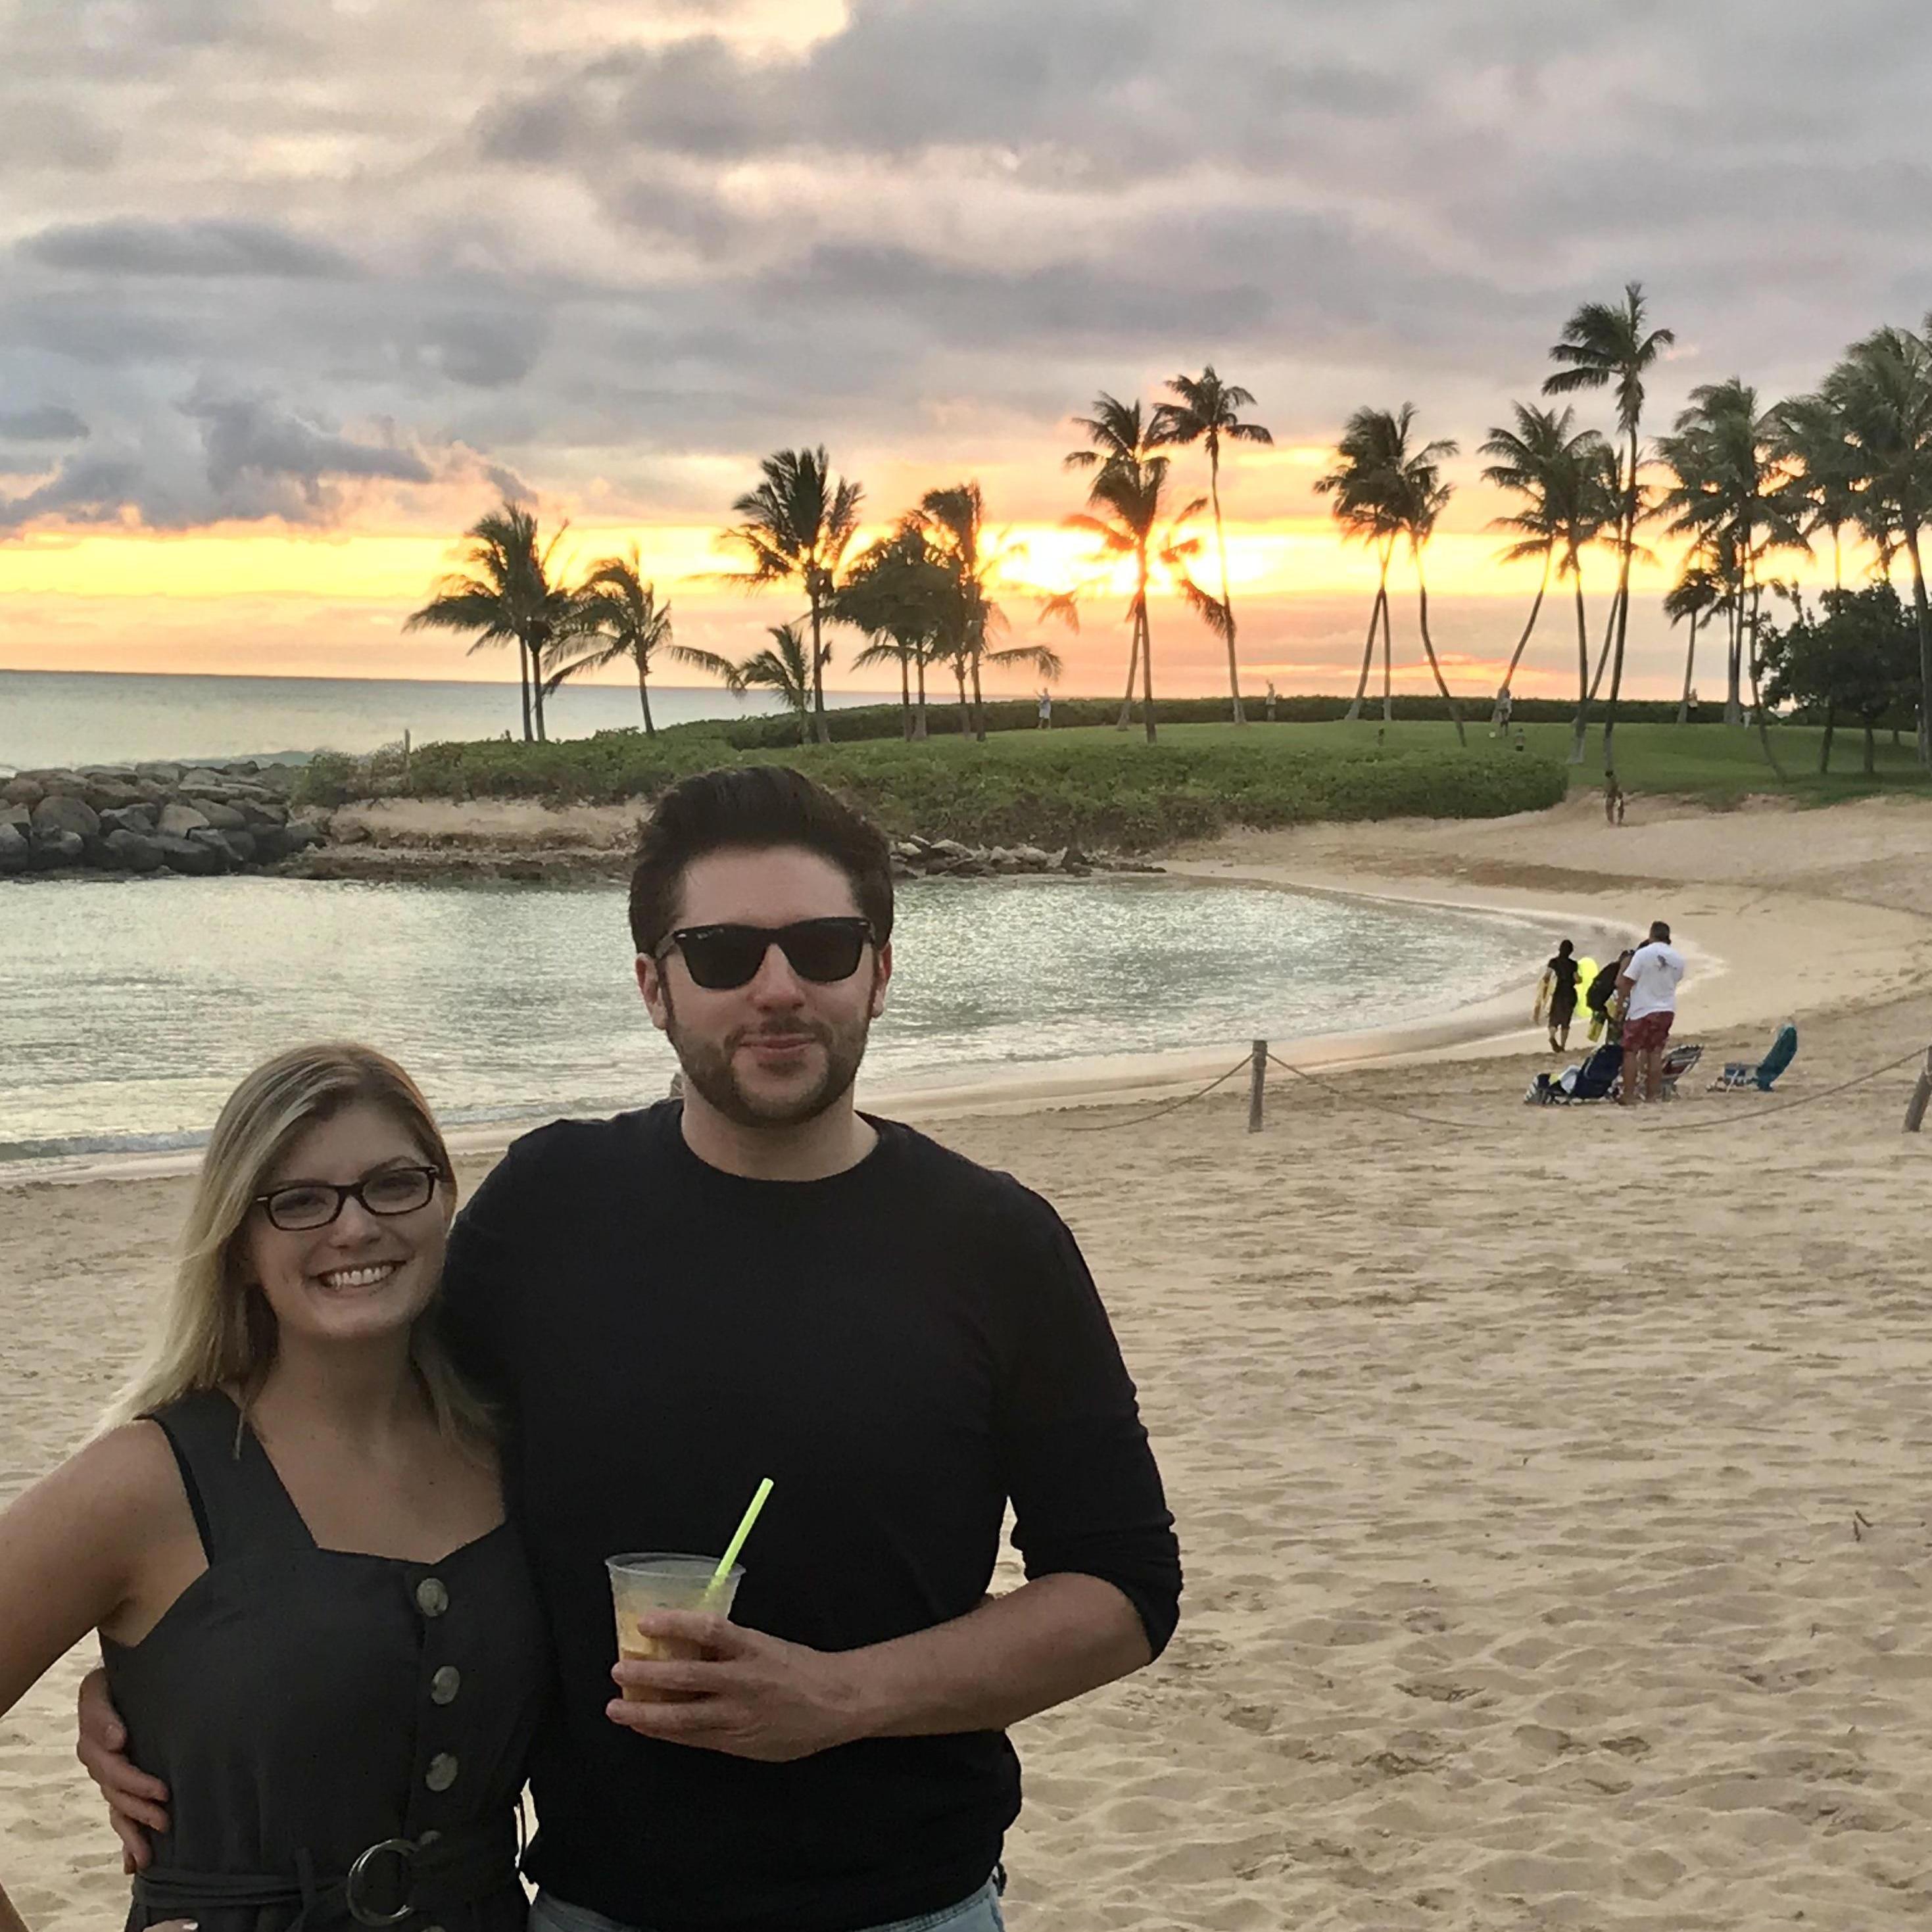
721,957
307,1205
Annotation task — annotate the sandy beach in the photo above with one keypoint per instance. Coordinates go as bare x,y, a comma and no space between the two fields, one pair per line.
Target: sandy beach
1550,1482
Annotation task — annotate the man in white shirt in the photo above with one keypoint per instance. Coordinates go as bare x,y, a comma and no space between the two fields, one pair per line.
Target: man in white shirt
1648,985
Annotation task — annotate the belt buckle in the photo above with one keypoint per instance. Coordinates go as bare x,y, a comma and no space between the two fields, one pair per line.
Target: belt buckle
400,1849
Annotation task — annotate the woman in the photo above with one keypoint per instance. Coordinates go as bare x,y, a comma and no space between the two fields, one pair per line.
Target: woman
1557,991
316,1624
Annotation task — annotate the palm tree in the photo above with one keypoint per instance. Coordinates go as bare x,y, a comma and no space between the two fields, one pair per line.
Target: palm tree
784,668
1882,387
1206,410
1122,443
900,595
955,520
1126,503
798,524
617,615
1606,345
1539,460
1735,495
505,594
1699,594
1364,484
1423,497
1814,439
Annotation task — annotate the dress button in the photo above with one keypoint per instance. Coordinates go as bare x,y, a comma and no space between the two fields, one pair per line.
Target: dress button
444,1685
442,1772
432,1599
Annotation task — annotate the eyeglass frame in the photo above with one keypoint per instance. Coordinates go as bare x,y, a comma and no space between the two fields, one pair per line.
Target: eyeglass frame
846,922
354,1192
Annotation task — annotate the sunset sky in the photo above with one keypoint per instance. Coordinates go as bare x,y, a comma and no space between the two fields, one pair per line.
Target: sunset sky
292,293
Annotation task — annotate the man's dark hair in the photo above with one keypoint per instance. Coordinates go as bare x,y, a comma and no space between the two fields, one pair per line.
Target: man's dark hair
1565,949
1660,931
753,808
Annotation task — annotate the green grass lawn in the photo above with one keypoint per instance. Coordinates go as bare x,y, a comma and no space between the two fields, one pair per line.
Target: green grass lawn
1717,762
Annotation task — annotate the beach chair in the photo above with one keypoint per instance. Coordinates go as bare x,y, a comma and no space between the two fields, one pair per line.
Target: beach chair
1595,1079
1761,1074
1678,1061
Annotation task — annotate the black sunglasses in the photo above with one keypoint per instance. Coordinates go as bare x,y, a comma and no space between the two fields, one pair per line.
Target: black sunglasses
306,1204
720,958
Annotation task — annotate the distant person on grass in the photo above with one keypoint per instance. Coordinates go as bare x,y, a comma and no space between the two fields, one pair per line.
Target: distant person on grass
1045,709
1613,799
760,1280
1556,995
1648,984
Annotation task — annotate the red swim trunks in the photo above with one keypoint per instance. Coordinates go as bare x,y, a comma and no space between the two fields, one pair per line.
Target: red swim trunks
1648,1034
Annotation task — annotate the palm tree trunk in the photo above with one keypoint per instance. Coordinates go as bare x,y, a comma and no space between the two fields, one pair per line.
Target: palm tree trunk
820,731
537,691
1429,647
1580,731
1923,611
905,694
1871,761
1355,710
1126,717
1825,750
524,685
978,696
1388,667
1535,610
1690,669
1734,708
1227,603
1147,668
965,710
919,723
1757,699
1631,501
644,697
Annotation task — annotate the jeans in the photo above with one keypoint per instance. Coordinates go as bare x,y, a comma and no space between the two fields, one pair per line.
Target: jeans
979,1913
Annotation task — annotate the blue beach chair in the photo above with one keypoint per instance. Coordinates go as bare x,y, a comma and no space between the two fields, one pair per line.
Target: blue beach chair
1761,1074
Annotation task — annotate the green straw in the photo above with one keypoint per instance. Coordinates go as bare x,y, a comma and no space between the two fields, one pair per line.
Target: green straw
737,1542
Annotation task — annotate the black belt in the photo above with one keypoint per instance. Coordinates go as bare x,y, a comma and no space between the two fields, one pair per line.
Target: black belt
383,1886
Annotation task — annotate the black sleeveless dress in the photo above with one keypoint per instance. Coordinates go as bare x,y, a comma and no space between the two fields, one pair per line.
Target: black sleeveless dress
343,1736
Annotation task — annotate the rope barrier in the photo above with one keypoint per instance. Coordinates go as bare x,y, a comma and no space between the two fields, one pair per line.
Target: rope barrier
1170,1107
1734,1120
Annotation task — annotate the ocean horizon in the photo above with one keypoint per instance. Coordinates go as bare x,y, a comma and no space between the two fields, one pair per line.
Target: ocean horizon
60,718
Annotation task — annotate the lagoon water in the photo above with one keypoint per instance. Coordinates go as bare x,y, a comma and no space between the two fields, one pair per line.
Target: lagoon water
128,1008
100,718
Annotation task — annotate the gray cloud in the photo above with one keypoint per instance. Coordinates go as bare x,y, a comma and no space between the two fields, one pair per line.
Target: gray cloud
204,249
47,422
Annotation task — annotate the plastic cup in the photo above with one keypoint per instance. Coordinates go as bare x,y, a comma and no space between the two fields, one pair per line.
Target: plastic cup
649,1580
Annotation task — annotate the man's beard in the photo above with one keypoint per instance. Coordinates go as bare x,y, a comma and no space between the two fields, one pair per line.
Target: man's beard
710,1068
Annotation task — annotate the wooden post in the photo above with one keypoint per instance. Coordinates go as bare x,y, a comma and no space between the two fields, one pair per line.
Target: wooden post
1257,1080
406,754
1915,1113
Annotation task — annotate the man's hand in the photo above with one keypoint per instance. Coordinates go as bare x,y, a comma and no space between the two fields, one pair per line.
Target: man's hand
747,1695
135,1801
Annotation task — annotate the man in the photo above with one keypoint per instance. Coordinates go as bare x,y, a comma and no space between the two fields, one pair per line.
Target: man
1603,999
1648,984
1045,709
670,1305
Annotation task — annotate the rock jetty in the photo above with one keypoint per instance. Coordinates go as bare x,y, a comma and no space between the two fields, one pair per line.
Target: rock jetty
947,858
199,820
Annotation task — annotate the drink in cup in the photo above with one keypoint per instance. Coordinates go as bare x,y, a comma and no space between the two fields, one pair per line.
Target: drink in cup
659,1580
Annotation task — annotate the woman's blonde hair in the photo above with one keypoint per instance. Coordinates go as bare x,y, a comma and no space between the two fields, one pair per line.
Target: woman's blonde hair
217,1330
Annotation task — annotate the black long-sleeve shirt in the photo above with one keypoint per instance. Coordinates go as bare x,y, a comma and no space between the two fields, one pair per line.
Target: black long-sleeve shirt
903,1347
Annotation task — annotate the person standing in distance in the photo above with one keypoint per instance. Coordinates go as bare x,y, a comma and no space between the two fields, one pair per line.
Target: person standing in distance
760,1280
1648,984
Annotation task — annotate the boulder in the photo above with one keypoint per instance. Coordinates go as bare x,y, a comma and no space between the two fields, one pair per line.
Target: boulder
97,854
178,820
137,818
256,815
106,794
216,842
59,812
52,845
161,774
1033,860
17,816
301,833
15,856
185,855
280,779
24,791
242,768
134,851
223,817
240,846
201,779
950,848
